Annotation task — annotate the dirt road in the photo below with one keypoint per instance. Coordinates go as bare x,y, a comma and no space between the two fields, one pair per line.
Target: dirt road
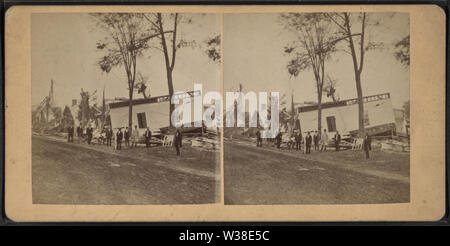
75,173
270,176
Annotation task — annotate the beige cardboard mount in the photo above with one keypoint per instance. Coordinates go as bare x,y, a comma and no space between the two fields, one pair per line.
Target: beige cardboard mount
427,94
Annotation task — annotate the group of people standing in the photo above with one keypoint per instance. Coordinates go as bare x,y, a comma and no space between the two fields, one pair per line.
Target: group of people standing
80,134
122,136
320,141
126,135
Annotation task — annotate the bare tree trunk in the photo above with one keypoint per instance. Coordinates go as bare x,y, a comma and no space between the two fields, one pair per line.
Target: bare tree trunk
319,113
361,129
131,79
320,91
292,114
130,110
170,86
169,65
358,70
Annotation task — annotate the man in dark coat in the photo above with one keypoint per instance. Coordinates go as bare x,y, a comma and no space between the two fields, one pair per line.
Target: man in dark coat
177,141
298,141
278,138
108,136
72,131
148,137
119,136
366,145
258,138
89,132
126,135
316,140
79,131
308,142
337,140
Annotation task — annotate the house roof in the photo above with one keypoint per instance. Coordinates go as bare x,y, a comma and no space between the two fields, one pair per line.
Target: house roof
347,102
151,99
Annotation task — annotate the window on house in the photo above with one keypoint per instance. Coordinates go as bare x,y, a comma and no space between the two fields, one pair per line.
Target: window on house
142,121
331,123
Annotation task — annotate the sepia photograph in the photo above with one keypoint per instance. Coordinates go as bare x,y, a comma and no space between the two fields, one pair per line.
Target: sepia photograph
344,128
218,114
102,85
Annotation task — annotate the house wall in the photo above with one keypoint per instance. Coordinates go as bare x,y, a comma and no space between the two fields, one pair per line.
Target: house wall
379,112
156,114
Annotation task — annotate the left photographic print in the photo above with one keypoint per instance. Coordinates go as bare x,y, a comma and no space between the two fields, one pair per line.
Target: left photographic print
102,85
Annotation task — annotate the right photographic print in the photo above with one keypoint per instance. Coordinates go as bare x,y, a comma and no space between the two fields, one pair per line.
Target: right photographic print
336,126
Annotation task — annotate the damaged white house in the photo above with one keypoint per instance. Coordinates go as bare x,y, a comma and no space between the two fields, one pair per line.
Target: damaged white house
342,116
150,112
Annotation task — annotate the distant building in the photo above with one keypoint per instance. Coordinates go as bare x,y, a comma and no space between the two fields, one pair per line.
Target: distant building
343,116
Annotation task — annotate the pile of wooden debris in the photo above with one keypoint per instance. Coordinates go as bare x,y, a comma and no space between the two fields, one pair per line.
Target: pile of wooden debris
204,143
394,145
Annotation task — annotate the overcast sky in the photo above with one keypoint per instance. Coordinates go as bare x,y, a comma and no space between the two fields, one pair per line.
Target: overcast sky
63,48
253,56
